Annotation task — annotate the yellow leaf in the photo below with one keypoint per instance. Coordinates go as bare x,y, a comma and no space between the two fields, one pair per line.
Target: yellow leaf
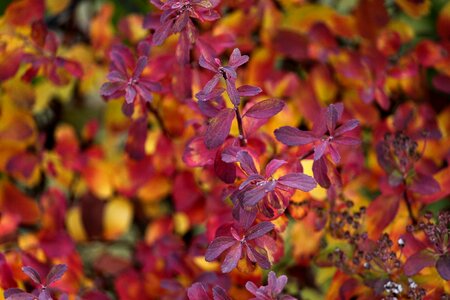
181,223
54,7
318,192
117,217
74,224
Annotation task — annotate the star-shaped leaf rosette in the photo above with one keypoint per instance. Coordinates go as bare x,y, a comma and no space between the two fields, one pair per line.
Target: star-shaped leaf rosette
221,117
262,190
177,15
240,240
272,291
326,136
126,78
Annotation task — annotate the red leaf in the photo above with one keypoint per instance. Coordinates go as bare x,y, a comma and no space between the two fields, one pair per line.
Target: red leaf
23,12
265,109
137,136
225,171
442,83
424,184
381,212
219,128
185,191
291,44
415,263
9,66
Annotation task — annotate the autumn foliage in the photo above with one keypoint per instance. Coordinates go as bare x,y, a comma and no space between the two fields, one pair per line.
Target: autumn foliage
224,149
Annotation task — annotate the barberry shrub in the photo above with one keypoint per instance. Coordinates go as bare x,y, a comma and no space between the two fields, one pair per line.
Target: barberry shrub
216,149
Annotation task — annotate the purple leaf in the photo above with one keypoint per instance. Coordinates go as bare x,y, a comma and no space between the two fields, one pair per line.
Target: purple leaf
197,292
347,126
291,136
298,181
220,294
231,260
335,156
258,230
258,258
130,94
110,88
320,172
162,33
254,195
265,109
233,93
332,118
210,85
56,273
416,262
33,274
236,59
347,141
140,66
217,246
319,150
207,62
273,166
424,184
246,161
443,266
248,91
219,128
18,294
45,295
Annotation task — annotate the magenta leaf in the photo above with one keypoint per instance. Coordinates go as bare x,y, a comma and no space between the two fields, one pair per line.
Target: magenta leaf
291,136
258,230
224,170
298,181
231,260
416,262
424,184
443,266
219,128
33,274
248,91
56,273
265,109
217,246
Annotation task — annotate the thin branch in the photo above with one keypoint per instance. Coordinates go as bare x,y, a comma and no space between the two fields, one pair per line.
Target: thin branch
242,138
158,118
408,205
